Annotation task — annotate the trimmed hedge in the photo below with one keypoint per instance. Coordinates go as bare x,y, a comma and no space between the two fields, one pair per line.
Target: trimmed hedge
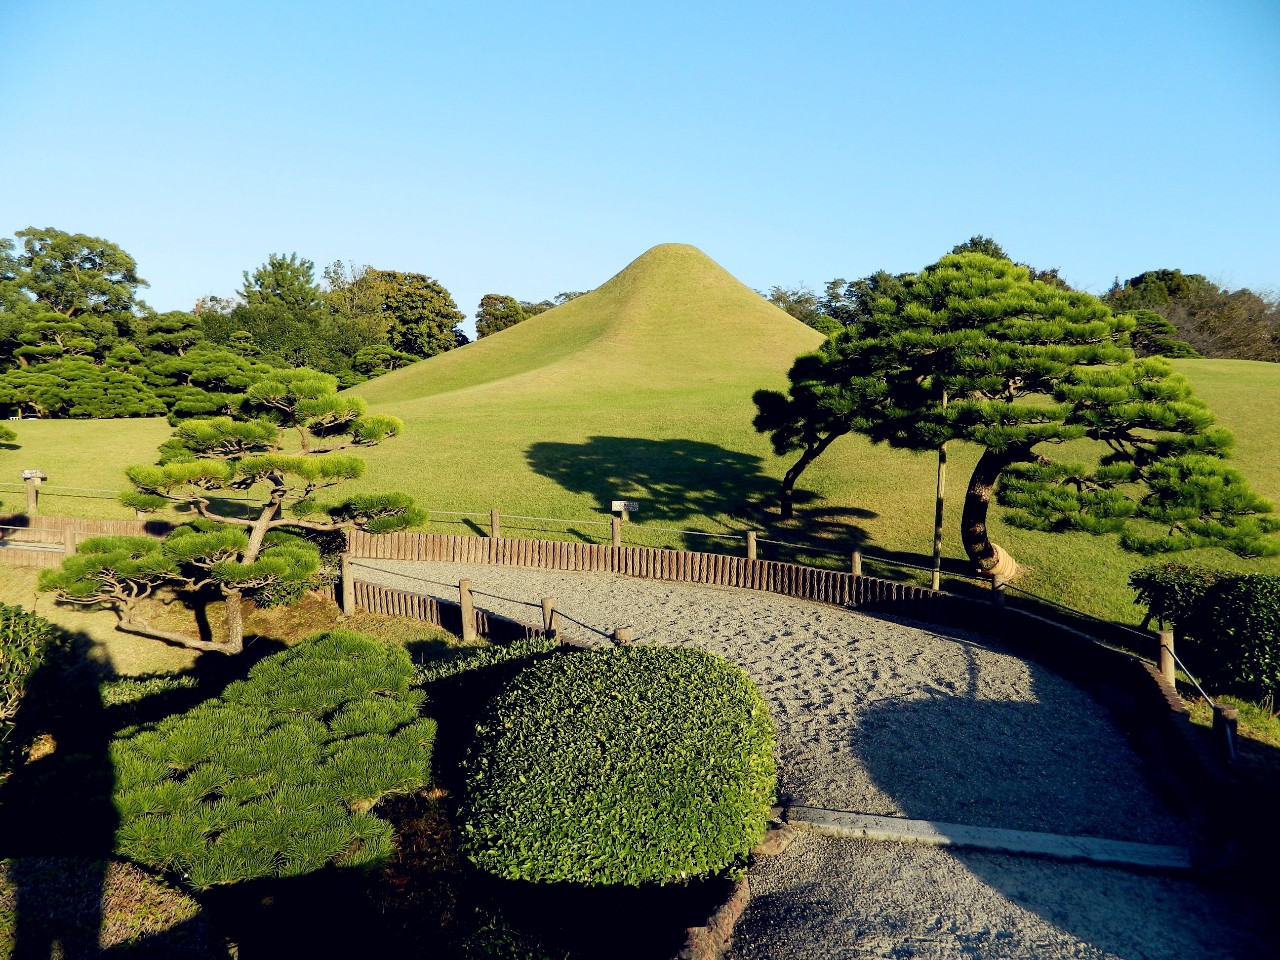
277,776
26,642
621,766
1236,635
1173,591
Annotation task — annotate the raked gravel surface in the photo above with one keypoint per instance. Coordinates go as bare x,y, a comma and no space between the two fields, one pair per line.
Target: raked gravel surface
880,717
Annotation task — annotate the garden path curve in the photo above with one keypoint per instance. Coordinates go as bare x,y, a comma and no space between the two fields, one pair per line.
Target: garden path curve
882,717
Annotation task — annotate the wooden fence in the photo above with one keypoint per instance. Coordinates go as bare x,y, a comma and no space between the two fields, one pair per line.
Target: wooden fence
40,541
652,563
376,598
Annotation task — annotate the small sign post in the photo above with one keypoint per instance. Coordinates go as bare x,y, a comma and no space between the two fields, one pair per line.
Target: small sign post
33,479
626,508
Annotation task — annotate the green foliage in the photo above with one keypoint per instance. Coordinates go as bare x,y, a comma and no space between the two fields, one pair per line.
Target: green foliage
76,387
624,766
1153,335
224,550
423,316
1023,363
26,642
497,312
275,778
74,274
474,659
1173,592
1235,636
1205,318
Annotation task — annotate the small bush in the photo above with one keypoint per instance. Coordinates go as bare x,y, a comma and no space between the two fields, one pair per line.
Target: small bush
471,659
621,766
277,776
26,642
1173,591
1235,636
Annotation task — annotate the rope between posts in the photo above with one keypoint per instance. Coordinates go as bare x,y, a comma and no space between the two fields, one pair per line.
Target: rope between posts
406,576
696,533
512,516
1194,682
1078,613
585,626
494,596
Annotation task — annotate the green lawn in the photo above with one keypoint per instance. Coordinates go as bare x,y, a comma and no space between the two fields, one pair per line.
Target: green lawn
642,390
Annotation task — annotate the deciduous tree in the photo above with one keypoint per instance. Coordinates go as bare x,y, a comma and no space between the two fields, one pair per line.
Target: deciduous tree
497,312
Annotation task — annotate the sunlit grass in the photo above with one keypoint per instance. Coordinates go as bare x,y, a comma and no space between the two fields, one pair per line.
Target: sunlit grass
642,390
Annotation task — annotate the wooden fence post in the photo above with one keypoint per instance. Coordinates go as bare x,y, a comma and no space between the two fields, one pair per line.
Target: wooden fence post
549,615
33,493
615,526
1225,719
751,544
468,608
997,592
495,530
856,563
622,636
69,538
1167,663
346,585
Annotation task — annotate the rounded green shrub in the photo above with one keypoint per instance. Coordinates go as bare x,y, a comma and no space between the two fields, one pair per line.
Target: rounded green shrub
1236,635
622,766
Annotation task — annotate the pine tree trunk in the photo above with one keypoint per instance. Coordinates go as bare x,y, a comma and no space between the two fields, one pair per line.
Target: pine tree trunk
786,496
235,621
990,558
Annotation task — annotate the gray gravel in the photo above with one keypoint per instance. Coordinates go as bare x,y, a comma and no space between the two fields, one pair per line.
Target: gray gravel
879,717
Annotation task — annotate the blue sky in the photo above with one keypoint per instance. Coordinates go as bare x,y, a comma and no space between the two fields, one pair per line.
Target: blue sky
529,148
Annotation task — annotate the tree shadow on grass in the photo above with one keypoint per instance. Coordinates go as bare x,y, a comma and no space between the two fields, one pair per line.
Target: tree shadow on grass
679,481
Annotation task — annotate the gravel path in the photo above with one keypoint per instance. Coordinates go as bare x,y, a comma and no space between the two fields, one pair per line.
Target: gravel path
879,717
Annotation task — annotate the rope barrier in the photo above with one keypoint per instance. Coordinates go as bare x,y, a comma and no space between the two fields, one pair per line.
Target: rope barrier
512,516
1190,676
1077,613
696,533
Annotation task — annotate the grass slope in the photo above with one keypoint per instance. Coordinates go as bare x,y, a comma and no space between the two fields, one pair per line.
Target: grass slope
642,389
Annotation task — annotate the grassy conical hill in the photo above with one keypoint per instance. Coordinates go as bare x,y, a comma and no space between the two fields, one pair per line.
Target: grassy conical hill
641,388
673,313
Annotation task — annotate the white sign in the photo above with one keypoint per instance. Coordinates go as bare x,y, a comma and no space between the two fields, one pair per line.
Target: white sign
628,505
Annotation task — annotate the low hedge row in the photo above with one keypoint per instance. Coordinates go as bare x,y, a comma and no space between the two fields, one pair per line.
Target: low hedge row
621,766
1230,624
26,642
277,776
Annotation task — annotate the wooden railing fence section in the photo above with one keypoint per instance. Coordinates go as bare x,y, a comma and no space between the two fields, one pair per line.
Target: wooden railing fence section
653,563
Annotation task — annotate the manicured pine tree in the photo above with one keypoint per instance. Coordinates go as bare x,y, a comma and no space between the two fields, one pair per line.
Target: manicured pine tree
282,450
1027,366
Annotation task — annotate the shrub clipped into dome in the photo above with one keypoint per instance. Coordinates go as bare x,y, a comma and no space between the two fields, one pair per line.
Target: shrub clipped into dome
623,766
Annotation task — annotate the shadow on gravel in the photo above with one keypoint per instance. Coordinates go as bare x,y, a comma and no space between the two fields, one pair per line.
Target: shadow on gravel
1056,763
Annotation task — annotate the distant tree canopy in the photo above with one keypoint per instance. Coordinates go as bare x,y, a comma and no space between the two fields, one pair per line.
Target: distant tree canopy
361,322
1215,322
497,312
76,342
